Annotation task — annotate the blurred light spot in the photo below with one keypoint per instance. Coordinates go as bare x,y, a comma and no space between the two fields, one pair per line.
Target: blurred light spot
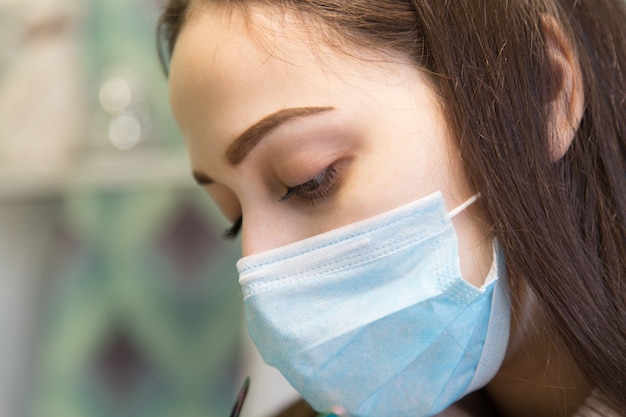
124,131
141,110
115,95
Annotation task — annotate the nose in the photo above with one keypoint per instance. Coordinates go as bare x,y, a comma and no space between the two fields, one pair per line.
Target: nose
263,230
269,226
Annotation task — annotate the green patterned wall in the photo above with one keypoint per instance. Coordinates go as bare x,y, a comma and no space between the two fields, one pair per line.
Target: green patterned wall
137,311
143,314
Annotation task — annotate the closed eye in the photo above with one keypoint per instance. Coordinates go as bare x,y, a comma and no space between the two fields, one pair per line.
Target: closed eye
317,189
314,191
233,231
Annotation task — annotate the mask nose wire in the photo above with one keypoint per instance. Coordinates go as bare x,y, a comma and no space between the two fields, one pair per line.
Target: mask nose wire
463,206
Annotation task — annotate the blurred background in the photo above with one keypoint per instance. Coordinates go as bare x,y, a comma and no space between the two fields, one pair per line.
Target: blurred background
117,295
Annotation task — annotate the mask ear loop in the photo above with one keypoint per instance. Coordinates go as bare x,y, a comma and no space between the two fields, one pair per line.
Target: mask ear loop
463,206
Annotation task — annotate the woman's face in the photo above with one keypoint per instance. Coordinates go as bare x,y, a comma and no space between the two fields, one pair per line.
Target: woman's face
300,138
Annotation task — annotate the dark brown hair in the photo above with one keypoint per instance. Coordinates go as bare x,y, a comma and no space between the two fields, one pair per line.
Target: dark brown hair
561,224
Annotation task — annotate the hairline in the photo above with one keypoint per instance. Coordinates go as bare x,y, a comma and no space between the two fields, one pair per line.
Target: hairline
337,38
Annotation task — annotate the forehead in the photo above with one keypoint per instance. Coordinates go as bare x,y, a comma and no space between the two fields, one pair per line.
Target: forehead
226,73
221,47
229,70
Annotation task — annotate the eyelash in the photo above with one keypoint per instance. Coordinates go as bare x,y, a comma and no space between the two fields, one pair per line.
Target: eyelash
314,191
317,189
233,231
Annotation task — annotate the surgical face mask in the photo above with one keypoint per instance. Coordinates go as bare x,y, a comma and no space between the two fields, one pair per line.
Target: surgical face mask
374,318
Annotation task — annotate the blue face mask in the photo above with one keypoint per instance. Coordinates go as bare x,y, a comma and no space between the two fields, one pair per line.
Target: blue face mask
374,318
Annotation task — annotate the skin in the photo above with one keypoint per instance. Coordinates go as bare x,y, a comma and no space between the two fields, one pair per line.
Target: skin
384,138
382,112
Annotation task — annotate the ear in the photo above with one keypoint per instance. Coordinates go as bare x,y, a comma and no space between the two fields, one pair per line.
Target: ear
568,104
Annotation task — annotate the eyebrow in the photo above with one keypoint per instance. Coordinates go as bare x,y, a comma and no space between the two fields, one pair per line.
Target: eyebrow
201,178
244,143
241,147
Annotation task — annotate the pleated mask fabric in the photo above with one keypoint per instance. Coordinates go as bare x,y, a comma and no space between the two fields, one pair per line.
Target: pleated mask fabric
374,318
